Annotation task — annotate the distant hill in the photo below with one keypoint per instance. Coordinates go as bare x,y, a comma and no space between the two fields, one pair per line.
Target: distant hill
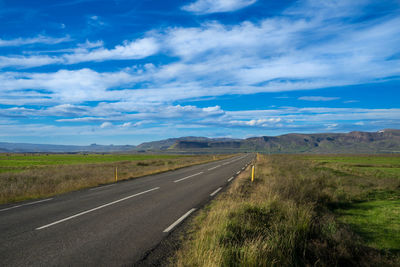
37,148
384,141
173,144
168,143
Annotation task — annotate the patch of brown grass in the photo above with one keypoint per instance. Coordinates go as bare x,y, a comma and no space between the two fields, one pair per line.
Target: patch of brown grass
47,181
282,219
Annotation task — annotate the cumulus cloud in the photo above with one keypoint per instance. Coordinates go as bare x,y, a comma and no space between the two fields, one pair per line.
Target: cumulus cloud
215,6
106,125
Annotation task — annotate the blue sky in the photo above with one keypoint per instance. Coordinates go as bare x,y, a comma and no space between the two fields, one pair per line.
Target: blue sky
125,72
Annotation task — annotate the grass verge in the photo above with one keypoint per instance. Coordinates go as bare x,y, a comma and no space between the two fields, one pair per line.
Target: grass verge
44,180
294,214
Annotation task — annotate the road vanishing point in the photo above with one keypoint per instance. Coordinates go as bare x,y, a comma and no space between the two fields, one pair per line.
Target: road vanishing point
110,225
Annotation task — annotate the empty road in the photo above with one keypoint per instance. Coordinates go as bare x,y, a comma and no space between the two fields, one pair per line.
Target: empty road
110,225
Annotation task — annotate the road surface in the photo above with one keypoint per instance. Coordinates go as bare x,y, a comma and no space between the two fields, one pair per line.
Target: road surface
109,225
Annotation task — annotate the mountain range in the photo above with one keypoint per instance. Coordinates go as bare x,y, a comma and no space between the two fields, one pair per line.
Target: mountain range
384,141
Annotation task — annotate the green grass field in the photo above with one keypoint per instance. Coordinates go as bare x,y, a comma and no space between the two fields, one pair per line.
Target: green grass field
19,162
376,165
377,222
373,210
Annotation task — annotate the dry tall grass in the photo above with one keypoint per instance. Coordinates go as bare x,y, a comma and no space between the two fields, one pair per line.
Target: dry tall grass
51,180
282,219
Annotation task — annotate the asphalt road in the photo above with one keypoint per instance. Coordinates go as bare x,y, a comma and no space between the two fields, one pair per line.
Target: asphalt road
110,225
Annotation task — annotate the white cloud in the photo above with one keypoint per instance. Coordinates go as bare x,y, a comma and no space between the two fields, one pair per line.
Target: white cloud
319,115
83,119
106,125
137,49
89,51
331,126
256,122
197,121
215,6
295,51
130,124
318,98
28,61
88,44
65,86
96,21
39,39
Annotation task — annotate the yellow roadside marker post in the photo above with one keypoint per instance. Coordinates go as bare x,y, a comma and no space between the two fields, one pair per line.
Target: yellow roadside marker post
252,173
116,174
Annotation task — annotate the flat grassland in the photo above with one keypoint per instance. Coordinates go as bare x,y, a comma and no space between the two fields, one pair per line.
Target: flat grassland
29,176
302,210
20,162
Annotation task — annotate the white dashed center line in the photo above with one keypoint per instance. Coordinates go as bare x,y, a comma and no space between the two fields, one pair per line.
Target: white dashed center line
97,208
187,177
210,169
26,204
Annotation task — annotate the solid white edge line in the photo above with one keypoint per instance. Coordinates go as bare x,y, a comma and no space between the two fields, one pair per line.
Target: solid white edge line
215,192
230,179
187,177
27,204
238,172
169,228
97,208
101,187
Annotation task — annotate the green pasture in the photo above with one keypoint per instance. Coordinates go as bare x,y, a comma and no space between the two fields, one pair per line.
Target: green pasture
377,222
376,215
19,162
385,165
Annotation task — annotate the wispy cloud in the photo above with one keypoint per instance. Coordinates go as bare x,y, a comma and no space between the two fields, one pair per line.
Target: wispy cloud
137,49
162,118
95,22
318,98
89,51
63,86
40,39
215,6
310,45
